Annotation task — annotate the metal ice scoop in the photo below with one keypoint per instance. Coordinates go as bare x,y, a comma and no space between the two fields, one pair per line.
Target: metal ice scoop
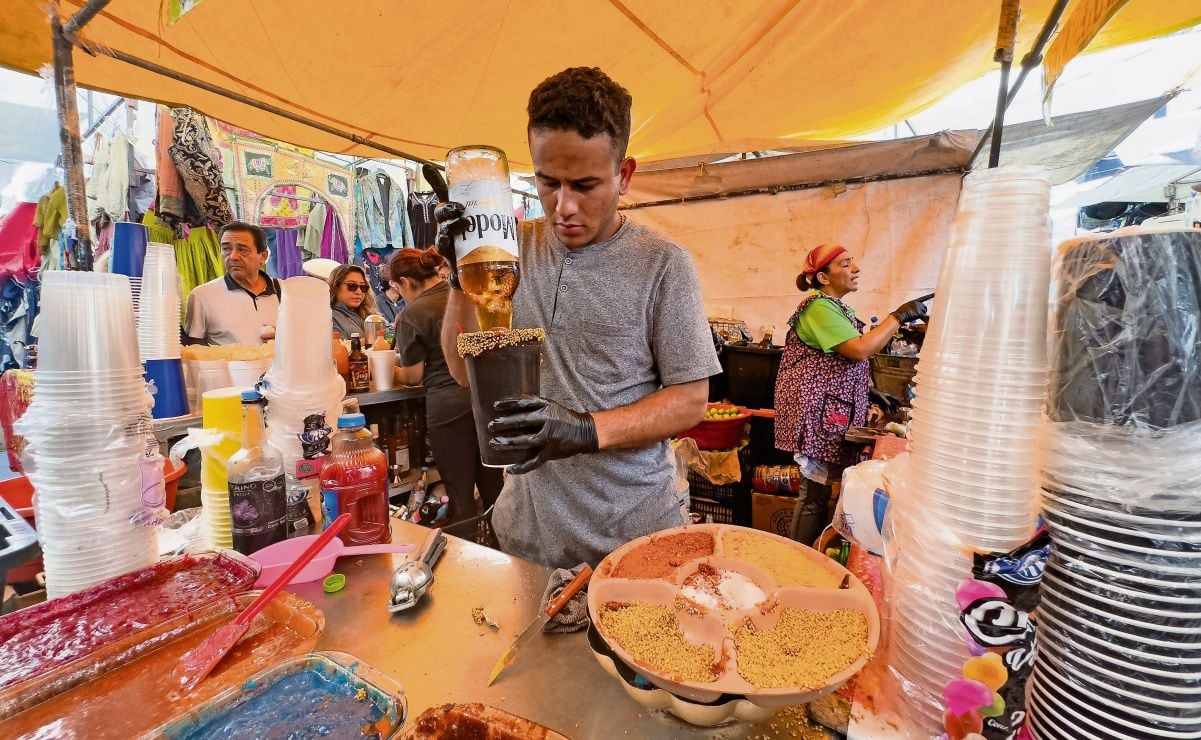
413,578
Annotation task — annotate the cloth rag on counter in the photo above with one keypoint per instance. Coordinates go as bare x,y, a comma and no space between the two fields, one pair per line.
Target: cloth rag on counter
573,617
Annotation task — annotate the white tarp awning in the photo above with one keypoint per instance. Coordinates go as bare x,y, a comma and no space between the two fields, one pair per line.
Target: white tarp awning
1136,185
1068,147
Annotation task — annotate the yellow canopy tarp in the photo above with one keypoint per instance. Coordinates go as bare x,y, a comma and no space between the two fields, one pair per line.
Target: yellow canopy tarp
423,76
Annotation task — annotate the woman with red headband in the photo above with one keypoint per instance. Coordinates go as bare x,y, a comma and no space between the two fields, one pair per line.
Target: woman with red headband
822,386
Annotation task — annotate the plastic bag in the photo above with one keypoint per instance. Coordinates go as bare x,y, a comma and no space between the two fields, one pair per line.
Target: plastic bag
862,504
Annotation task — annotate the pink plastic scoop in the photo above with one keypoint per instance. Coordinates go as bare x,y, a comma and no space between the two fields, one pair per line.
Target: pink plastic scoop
275,558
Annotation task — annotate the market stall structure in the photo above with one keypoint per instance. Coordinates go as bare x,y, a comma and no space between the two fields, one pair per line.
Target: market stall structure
735,59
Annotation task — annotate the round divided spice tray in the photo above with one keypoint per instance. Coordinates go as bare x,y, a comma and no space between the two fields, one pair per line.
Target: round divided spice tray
709,609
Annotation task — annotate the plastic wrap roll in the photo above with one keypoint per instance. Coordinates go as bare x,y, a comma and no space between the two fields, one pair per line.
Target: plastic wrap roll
1120,616
1127,341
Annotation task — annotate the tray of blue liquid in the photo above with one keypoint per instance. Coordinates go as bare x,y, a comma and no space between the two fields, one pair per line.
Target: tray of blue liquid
318,695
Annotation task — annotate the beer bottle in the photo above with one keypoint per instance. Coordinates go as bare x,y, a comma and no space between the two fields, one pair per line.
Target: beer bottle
487,252
358,366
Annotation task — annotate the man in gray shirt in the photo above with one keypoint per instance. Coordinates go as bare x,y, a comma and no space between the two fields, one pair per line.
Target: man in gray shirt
628,349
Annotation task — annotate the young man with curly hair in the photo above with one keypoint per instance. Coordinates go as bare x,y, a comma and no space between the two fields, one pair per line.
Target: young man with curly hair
628,350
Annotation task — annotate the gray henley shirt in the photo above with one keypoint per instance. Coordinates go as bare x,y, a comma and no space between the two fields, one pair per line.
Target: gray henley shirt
623,318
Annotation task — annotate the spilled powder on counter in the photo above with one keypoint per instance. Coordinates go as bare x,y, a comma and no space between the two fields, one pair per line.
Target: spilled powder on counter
803,650
660,557
787,564
652,635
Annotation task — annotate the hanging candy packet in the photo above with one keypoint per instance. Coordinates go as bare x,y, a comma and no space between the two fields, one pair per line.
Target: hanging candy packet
989,699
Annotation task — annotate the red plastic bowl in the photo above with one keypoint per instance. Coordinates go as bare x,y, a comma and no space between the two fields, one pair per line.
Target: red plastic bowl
719,434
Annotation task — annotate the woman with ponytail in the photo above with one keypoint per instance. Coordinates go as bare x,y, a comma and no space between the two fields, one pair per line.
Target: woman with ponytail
822,386
448,417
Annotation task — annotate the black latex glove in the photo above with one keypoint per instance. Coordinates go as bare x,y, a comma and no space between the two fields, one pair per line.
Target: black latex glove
533,423
912,310
451,223
889,403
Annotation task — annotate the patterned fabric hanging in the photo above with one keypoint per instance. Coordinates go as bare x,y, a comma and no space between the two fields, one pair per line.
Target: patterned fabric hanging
195,158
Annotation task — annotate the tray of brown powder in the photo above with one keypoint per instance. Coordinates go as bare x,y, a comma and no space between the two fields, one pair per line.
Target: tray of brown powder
711,609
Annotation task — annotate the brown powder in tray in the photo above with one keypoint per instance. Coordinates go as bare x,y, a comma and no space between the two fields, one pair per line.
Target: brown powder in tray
651,633
785,563
803,650
660,557
474,344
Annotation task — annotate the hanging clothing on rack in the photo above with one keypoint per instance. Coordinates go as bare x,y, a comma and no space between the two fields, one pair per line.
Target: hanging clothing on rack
171,206
285,260
19,298
333,241
314,232
421,216
197,254
196,159
375,264
19,242
380,219
49,217
108,188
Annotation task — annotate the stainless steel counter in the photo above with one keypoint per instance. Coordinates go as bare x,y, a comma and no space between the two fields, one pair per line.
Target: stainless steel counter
438,654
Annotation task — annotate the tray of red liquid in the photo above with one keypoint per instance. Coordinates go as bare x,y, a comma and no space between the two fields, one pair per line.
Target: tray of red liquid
134,697
41,647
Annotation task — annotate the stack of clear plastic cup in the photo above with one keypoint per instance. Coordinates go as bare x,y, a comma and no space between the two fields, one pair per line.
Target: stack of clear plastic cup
135,292
159,330
972,477
302,381
159,310
303,350
86,430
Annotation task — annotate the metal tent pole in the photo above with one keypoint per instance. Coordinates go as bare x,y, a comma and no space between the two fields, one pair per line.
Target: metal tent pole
68,128
1006,39
1030,62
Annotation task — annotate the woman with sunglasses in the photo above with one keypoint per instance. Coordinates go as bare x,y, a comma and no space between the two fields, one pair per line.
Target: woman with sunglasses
351,299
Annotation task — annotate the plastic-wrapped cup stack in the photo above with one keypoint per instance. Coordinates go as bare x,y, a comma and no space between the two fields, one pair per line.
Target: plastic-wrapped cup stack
1120,603
87,432
302,380
972,479
158,331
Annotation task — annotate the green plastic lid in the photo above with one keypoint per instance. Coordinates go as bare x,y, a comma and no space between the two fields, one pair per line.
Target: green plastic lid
334,583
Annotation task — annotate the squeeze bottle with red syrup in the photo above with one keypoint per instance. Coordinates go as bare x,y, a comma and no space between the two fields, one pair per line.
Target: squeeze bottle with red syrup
354,480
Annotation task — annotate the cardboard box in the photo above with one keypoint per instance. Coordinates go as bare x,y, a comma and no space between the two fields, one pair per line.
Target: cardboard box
772,513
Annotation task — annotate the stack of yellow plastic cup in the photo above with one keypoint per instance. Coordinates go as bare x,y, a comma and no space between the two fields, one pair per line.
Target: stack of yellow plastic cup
221,410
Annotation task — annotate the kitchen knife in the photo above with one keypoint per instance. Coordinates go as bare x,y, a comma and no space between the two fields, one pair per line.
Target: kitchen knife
540,620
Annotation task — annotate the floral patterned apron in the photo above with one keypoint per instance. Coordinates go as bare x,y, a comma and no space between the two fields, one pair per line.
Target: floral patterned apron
819,395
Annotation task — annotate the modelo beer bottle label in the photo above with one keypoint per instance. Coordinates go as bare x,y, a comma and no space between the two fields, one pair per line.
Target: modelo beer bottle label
491,234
